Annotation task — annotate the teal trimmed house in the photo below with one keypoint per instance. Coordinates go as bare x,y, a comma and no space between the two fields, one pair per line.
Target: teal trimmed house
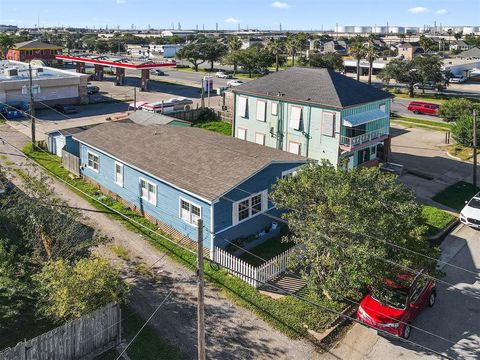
316,113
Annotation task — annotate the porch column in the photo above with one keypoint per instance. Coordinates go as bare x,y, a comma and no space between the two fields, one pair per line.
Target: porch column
144,80
81,67
98,72
120,76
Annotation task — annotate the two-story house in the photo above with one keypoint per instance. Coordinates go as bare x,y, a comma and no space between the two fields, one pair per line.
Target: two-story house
317,113
33,50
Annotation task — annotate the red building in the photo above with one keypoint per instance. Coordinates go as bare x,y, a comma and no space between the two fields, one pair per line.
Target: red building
34,49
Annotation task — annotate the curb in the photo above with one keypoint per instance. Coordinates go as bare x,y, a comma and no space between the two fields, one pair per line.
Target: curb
437,239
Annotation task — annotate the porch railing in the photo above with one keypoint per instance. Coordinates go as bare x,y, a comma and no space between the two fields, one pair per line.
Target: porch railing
360,139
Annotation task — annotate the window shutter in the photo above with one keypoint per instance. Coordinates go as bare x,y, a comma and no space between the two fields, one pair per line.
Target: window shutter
294,148
261,110
328,124
382,107
264,200
242,106
242,133
274,108
235,213
260,138
295,117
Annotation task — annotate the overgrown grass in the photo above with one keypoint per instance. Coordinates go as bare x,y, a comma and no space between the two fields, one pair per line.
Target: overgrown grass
216,126
120,251
288,314
268,250
437,219
455,196
438,124
3,157
461,152
9,163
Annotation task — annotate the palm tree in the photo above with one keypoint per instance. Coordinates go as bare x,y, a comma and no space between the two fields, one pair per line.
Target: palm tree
6,42
234,44
292,46
357,50
371,54
277,48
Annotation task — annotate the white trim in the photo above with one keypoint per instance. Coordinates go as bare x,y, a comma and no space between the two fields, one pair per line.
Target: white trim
244,133
122,184
261,111
276,108
235,211
251,217
148,182
88,160
296,117
145,173
292,171
191,203
257,134
212,228
243,106
297,144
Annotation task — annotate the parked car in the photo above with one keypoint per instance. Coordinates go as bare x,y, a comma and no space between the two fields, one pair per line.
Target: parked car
92,89
157,72
430,85
234,82
470,214
65,108
419,107
404,303
223,75
457,79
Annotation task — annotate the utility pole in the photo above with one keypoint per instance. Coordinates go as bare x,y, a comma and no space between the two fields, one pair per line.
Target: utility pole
31,103
201,293
474,150
134,99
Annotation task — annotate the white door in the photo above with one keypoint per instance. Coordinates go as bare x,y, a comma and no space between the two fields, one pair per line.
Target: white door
59,144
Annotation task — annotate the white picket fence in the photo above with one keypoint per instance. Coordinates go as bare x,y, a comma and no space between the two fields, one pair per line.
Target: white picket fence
254,276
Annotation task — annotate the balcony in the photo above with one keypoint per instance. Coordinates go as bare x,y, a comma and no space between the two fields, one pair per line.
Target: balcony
349,143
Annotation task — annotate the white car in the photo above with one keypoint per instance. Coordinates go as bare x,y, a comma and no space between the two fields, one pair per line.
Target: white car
457,79
234,82
223,75
470,214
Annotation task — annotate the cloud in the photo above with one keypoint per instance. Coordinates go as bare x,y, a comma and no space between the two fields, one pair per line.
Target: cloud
280,5
120,2
442,11
231,20
418,10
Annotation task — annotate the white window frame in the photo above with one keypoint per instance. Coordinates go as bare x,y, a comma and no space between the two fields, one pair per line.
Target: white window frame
189,218
383,107
243,106
122,182
274,106
333,115
299,147
291,172
152,200
261,114
244,132
296,122
88,161
251,214
257,135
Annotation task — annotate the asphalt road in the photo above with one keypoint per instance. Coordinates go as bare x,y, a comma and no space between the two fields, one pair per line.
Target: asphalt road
455,317
399,106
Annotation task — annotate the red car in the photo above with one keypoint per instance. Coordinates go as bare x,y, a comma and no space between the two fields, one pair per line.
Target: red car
418,107
404,303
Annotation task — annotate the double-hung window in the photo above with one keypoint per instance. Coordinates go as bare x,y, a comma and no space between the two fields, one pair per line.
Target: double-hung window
328,124
148,191
119,174
242,107
248,207
190,212
295,117
261,110
274,108
93,162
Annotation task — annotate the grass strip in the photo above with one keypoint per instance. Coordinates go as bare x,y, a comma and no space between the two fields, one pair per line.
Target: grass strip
455,195
436,219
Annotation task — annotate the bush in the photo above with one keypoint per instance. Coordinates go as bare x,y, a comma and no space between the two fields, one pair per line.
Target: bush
462,131
456,108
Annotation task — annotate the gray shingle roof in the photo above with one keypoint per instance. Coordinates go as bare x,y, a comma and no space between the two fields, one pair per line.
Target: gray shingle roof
35,44
473,53
200,161
312,85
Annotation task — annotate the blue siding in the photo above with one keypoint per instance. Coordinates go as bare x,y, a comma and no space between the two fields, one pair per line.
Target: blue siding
168,197
223,209
72,146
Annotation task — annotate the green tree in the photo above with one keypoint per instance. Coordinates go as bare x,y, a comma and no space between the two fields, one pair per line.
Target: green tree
458,35
213,51
68,291
255,58
342,221
292,46
456,108
328,60
426,43
234,44
472,40
358,51
193,53
462,131
277,48
429,67
402,71
371,54
6,42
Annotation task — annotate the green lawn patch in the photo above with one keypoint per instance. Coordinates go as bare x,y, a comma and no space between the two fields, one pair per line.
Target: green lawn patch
267,250
437,219
461,152
216,126
439,124
288,314
455,196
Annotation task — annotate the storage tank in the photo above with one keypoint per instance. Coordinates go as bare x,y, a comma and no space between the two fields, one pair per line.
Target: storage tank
469,29
342,29
358,30
393,29
379,29
349,29
366,29
411,30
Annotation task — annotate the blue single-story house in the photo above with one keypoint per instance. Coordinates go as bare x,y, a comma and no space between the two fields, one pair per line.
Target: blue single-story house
177,175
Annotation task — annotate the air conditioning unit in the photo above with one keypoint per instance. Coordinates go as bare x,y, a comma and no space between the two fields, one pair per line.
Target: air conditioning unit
11,72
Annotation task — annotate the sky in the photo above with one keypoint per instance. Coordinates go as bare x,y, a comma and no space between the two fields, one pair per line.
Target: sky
260,14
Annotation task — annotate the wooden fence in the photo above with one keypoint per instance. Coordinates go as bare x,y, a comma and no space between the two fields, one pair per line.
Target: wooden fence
84,338
71,162
254,276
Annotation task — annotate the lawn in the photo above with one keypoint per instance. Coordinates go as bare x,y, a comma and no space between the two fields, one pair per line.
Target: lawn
289,315
439,124
455,196
216,126
268,250
437,219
